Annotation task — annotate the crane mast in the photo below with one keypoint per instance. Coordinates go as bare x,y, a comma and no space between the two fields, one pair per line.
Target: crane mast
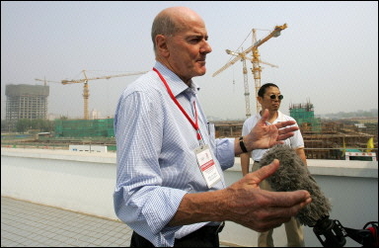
256,70
255,60
85,96
245,79
246,86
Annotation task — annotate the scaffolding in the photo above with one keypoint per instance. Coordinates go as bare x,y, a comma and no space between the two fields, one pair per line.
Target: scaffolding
84,128
305,117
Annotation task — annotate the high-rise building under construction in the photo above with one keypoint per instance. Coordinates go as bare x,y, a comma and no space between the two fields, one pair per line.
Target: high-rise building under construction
304,116
25,102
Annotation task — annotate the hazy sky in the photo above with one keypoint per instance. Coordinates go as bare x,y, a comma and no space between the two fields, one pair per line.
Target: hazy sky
328,54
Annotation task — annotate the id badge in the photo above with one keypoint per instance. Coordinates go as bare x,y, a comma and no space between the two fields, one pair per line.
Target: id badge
207,165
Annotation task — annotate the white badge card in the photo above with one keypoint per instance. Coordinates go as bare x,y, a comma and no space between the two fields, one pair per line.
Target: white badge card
207,165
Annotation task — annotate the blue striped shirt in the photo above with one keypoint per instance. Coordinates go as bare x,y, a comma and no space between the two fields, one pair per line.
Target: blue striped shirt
156,164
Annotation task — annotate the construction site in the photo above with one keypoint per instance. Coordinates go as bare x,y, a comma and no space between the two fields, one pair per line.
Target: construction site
324,139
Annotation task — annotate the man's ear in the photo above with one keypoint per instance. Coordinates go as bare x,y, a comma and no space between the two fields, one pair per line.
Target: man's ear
259,99
161,44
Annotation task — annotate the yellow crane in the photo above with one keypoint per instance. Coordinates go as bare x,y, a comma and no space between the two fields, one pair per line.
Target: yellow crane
243,58
256,70
86,87
45,81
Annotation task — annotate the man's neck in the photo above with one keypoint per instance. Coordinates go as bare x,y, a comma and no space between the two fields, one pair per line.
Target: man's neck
272,116
166,63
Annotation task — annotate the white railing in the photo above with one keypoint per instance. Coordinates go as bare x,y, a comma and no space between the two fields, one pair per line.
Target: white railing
84,182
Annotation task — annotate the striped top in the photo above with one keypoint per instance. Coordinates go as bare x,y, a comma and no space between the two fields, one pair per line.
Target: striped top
156,164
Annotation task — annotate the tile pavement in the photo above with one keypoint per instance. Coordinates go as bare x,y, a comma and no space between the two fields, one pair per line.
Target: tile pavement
25,224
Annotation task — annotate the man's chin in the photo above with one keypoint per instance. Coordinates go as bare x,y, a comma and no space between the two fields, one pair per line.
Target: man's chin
201,71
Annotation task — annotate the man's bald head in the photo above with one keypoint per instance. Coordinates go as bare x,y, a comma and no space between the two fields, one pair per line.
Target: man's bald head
172,20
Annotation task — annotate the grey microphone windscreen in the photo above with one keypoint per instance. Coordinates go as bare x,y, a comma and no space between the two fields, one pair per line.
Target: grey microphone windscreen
292,175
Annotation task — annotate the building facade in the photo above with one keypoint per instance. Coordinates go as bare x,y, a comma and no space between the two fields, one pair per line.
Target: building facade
25,102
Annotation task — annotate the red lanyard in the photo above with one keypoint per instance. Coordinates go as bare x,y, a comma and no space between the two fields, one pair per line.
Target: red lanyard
194,124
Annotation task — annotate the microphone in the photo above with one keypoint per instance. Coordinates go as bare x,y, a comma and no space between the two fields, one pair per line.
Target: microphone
292,175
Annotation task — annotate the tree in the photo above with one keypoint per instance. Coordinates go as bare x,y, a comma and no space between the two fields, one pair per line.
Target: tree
23,125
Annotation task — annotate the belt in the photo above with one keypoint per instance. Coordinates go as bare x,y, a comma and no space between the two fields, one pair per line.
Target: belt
220,227
212,229
205,235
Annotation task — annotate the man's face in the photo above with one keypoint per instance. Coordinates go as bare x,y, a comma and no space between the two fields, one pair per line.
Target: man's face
269,101
188,49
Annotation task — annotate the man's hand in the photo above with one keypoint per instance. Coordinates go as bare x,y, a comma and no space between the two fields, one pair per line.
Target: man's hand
244,203
264,136
259,209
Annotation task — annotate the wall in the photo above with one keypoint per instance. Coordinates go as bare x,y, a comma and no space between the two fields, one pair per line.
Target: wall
351,186
84,182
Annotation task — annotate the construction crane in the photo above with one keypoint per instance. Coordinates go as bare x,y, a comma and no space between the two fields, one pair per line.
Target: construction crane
86,87
255,60
45,81
243,58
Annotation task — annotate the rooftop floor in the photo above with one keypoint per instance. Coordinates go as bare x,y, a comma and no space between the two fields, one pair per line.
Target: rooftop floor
27,224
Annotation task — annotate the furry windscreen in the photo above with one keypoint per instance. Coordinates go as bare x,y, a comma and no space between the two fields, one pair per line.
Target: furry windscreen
293,175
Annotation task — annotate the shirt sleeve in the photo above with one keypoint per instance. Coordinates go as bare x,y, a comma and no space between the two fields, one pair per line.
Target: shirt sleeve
297,140
246,127
140,199
225,152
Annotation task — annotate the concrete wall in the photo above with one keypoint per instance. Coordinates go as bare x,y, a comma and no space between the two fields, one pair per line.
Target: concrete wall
84,182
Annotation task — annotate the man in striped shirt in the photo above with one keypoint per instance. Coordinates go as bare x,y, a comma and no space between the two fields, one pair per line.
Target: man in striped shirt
170,187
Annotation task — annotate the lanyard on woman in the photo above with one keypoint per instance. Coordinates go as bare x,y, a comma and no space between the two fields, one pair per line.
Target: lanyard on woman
195,123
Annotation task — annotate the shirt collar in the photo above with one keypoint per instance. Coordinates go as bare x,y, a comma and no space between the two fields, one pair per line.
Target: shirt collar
176,84
279,117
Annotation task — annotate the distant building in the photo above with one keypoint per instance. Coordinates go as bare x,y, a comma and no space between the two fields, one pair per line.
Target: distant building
25,102
305,117
331,140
